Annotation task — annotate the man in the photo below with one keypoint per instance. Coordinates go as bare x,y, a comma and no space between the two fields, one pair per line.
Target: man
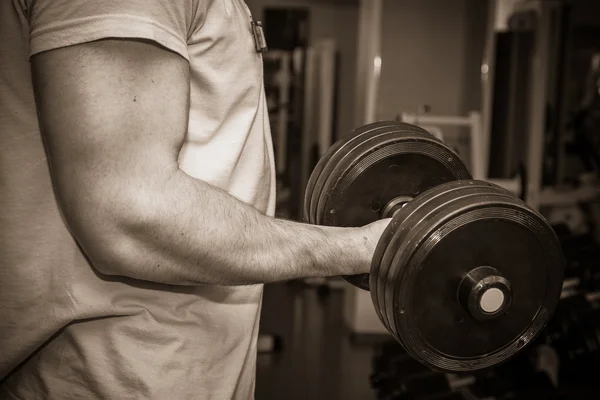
136,202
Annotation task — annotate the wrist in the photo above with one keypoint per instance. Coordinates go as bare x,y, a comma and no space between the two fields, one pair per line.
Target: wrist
351,255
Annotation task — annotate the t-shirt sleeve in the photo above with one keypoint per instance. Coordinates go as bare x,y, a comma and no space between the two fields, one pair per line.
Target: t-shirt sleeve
61,23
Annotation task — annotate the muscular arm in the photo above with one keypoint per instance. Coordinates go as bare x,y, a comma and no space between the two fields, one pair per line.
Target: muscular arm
114,115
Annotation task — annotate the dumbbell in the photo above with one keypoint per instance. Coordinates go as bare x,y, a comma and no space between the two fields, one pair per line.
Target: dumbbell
466,274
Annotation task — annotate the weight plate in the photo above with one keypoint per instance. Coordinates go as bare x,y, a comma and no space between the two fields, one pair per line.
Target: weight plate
427,210
419,212
403,222
492,231
347,152
393,163
414,240
352,161
315,181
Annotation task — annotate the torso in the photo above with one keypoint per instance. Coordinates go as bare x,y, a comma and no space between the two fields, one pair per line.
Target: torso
68,332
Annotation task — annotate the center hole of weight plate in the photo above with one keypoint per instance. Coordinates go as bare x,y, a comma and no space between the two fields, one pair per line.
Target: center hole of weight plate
491,300
395,205
484,293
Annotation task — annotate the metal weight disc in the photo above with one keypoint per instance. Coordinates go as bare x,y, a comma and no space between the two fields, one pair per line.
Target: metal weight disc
346,151
426,212
420,210
380,174
402,262
478,278
329,160
402,223
324,162
352,156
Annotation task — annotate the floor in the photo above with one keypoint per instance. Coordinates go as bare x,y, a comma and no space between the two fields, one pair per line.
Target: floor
318,360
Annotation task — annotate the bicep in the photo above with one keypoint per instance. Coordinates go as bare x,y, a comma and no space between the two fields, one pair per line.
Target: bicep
113,116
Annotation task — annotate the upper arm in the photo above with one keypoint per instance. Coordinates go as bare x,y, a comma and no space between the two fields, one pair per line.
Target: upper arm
113,116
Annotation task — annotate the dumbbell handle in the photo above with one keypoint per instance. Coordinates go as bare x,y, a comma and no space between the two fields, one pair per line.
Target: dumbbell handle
395,205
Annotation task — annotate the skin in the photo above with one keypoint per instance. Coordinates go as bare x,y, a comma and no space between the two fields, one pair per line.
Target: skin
114,115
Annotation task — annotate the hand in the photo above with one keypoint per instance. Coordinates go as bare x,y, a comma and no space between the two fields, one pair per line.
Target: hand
373,233
368,236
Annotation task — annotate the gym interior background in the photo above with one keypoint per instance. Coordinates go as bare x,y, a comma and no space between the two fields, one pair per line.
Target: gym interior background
513,86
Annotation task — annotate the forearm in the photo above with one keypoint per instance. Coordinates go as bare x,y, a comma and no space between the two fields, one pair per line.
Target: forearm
192,232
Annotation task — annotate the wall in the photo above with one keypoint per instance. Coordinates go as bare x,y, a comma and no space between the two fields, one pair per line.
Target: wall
431,53
338,21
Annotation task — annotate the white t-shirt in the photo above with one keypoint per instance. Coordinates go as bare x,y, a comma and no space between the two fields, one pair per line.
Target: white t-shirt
67,332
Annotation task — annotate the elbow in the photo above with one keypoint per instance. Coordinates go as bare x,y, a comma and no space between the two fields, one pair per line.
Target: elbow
110,252
115,221
105,239
116,256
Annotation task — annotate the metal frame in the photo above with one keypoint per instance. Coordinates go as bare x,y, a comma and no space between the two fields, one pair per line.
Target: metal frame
548,196
478,142
537,100
319,98
369,61
561,159
326,50
308,136
472,121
